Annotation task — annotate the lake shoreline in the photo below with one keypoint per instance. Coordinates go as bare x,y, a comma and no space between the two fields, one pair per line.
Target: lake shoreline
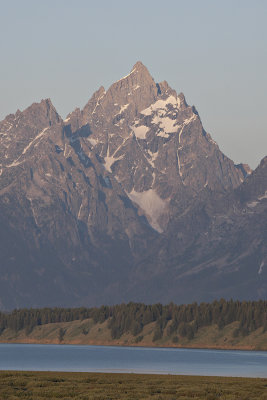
118,344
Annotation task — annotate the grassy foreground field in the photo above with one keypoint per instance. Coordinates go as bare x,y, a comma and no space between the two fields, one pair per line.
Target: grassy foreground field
95,386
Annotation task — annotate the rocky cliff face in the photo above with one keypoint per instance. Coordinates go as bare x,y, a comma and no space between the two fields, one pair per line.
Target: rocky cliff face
120,201
154,145
216,248
69,216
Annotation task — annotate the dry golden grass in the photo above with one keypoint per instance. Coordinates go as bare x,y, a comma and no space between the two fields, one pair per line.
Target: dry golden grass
95,386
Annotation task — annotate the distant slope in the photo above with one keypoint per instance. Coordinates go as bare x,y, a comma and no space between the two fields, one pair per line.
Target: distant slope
215,248
221,324
86,332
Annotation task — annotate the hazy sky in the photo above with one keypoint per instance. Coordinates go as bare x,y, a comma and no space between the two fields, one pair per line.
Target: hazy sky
215,52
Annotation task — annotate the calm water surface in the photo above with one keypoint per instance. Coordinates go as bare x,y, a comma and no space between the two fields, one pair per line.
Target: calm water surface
38,357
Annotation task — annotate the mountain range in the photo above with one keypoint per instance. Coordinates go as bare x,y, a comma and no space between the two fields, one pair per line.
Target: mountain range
128,199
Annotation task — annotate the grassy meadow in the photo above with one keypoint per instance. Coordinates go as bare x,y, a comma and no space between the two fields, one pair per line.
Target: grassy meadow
96,386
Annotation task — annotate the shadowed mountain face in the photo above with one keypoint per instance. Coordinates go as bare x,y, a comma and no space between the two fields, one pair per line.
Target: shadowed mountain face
127,199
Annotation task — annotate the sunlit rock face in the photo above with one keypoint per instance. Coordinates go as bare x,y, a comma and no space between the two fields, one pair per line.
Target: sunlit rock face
127,199
154,144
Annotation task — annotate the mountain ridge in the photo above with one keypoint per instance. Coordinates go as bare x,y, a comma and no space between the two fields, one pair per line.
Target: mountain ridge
107,205
118,121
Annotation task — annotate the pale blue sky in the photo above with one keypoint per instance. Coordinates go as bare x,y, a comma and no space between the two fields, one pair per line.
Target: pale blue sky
214,51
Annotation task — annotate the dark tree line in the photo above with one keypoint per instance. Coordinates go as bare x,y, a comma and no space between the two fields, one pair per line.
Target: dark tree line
182,320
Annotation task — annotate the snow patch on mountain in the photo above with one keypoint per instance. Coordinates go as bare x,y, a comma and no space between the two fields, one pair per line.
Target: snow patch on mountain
109,161
261,268
166,124
124,107
161,105
188,120
34,140
140,131
126,76
98,101
263,196
252,204
153,206
153,157
17,161
93,141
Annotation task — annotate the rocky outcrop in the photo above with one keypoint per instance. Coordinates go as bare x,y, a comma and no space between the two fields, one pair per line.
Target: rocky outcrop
216,248
154,144
69,218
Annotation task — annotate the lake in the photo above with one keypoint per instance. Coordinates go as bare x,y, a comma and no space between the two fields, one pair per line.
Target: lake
40,357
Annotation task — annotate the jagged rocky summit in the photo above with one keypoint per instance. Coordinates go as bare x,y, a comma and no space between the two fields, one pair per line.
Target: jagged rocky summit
154,144
127,199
